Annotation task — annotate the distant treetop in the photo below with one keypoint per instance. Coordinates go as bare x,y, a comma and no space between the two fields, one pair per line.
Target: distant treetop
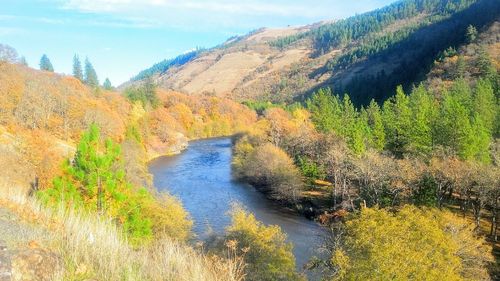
45,64
167,64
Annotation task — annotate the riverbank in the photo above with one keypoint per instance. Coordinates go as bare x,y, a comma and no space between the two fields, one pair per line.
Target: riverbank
201,178
180,147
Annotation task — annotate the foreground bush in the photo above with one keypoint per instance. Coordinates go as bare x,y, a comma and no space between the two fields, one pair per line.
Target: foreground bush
411,244
268,167
266,252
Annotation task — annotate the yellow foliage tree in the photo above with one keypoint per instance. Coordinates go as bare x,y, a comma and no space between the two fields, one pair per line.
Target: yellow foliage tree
267,254
411,244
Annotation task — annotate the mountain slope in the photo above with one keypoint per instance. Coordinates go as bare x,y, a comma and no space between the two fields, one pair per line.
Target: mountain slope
355,55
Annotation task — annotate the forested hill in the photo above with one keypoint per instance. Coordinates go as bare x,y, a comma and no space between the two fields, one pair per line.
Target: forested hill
365,55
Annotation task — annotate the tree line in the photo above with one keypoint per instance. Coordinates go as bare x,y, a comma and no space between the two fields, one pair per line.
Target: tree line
334,35
85,74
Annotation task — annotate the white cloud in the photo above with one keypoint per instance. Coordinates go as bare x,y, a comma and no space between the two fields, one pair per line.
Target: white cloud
214,15
249,7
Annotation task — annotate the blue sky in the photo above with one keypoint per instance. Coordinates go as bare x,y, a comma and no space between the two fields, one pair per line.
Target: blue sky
122,37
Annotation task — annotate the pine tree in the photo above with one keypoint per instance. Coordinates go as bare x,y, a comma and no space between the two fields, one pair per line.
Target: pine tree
376,125
485,65
471,34
77,68
45,64
454,127
90,75
352,127
485,104
461,68
348,118
95,180
145,93
397,120
480,148
422,107
326,110
107,85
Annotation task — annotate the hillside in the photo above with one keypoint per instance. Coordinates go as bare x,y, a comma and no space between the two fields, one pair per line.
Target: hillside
384,48
48,121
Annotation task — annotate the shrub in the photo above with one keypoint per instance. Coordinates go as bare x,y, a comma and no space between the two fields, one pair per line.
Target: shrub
411,244
269,167
267,254
169,218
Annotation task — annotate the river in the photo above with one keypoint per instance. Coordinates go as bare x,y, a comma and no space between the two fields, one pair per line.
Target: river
201,178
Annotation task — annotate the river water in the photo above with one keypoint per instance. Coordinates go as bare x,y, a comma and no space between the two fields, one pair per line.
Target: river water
201,178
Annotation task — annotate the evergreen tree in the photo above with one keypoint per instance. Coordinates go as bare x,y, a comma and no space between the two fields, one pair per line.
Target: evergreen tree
423,113
357,136
376,125
95,180
90,75
485,104
326,110
145,93
77,68
45,64
397,120
107,85
454,128
479,149
353,127
461,68
348,118
485,65
471,34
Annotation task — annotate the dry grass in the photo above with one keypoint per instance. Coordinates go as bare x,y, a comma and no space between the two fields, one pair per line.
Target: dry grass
93,248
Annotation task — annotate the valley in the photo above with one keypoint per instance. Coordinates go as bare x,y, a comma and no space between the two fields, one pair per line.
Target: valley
365,147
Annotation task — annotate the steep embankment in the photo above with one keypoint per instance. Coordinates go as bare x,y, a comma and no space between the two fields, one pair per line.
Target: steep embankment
365,55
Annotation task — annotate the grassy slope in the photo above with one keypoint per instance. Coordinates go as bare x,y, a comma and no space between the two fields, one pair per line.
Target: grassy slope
93,248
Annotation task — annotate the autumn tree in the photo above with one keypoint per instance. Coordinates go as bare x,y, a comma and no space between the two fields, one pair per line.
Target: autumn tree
77,68
268,167
410,244
45,64
268,255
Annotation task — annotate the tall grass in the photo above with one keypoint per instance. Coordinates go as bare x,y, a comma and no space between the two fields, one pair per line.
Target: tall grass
93,247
